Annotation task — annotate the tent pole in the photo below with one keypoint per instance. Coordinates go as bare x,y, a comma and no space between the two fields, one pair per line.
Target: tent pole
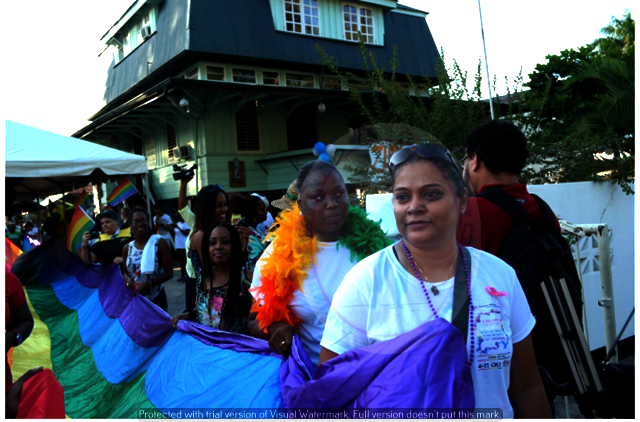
64,213
38,214
146,180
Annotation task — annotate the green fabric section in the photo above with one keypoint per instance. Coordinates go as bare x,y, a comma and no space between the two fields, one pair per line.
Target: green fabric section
87,393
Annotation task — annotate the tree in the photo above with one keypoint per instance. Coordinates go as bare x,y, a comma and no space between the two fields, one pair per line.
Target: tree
440,109
580,111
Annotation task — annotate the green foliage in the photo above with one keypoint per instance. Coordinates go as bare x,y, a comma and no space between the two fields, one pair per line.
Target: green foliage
581,110
578,112
440,109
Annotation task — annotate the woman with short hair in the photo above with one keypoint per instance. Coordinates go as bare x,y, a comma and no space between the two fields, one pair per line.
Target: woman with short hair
315,244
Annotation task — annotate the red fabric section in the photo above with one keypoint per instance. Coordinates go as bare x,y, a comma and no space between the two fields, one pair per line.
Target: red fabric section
13,295
486,226
42,397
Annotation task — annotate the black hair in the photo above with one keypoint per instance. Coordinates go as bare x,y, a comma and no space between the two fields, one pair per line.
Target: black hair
237,299
28,223
142,210
311,167
157,206
206,204
107,214
250,204
500,145
446,167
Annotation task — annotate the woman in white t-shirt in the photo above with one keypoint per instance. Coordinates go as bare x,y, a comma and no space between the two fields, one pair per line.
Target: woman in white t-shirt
314,246
406,285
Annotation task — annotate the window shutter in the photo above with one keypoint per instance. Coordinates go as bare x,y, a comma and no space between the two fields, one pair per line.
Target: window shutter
150,151
171,140
248,127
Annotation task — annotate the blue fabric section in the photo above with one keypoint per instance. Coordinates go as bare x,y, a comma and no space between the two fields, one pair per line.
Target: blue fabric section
190,374
116,356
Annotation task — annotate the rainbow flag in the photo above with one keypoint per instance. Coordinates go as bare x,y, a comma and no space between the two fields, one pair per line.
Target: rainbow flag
124,190
80,223
11,252
101,341
83,201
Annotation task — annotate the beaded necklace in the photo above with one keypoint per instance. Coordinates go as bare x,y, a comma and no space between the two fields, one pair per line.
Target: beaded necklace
433,309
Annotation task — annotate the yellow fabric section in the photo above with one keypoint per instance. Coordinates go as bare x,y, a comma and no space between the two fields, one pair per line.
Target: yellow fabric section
122,233
36,349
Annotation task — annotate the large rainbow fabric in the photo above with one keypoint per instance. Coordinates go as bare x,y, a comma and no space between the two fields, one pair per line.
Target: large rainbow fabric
80,223
117,356
83,200
124,190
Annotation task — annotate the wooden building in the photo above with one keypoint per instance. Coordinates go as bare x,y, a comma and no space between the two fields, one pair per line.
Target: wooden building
236,85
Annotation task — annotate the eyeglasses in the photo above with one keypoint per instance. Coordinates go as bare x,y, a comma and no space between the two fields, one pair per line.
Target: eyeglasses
464,159
424,151
213,188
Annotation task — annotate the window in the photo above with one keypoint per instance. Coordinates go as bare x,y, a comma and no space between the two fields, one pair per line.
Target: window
329,82
302,16
270,78
357,85
248,127
245,76
171,141
358,19
215,73
126,45
134,33
302,81
193,73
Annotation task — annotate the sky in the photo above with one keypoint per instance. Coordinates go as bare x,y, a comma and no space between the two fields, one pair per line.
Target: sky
53,79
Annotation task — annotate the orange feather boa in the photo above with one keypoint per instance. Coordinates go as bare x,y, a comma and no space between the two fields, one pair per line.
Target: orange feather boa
285,269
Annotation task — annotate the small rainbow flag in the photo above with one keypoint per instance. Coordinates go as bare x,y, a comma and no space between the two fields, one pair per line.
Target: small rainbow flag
80,223
83,201
124,190
11,252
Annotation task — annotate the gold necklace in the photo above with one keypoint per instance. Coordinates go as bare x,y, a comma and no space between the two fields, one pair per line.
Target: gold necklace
434,289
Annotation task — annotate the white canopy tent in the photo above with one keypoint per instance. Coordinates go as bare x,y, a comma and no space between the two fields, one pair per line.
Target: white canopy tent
48,163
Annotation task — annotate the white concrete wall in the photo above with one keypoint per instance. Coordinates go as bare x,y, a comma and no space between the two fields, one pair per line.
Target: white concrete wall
577,203
599,203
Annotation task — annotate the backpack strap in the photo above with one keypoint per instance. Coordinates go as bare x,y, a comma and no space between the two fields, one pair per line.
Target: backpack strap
508,203
460,310
548,217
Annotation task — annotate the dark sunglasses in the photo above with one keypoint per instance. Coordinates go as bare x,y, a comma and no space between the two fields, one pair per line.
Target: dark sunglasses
424,151
213,188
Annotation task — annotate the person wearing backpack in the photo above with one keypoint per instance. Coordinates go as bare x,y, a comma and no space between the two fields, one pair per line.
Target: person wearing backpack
505,220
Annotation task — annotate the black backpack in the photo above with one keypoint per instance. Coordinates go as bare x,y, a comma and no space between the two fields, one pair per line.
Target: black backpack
536,250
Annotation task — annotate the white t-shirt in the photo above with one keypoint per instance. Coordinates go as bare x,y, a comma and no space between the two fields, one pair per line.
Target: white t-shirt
313,305
379,300
164,233
181,239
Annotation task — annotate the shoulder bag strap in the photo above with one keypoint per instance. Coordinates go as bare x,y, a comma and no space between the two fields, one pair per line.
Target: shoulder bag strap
460,311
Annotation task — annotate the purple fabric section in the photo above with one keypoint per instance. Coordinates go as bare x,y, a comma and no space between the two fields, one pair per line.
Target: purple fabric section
425,368
225,340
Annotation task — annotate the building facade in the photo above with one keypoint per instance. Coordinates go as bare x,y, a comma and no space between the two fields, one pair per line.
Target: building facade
238,86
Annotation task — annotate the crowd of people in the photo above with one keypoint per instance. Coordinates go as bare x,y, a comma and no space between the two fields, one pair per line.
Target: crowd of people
323,271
